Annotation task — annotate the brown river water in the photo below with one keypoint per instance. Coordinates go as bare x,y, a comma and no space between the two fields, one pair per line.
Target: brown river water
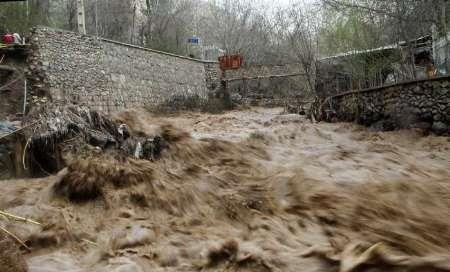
249,190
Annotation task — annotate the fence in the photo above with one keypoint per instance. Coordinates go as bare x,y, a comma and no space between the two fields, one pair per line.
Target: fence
420,59
441,54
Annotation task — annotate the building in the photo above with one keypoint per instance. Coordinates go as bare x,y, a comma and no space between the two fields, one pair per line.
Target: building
441,52
362,69
212,52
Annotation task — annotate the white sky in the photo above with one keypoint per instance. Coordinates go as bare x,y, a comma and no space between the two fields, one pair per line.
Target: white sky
286,2
281,3
272,5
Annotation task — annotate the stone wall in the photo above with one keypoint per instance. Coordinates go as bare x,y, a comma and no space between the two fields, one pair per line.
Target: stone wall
213,76
264,71
111,76
69,68
423,104
266,85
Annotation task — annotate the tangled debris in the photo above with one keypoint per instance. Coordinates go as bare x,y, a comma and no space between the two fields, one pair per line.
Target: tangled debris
66,132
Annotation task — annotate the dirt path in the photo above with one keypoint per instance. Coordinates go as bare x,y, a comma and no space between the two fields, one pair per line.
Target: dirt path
253,190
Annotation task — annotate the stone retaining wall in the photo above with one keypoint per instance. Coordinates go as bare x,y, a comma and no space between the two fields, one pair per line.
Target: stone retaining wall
264,70
423,104
69,68
213,76
110,76
266,85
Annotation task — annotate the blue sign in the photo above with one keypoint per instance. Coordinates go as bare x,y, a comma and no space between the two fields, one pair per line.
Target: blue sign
193,40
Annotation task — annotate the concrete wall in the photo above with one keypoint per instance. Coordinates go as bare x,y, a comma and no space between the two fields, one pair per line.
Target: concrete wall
110,76
423,104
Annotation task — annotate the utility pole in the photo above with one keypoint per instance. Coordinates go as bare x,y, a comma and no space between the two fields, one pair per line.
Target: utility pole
81,17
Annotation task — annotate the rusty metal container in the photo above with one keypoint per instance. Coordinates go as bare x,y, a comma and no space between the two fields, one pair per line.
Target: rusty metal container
230,62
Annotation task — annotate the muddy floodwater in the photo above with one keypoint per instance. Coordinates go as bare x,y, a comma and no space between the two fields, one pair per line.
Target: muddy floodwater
249,190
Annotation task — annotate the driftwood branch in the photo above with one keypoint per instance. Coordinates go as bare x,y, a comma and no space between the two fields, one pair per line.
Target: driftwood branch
7,68
20,129
15,237
4,87
19,218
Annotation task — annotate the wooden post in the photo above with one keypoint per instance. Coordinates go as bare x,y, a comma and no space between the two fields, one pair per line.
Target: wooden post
24,97
19,148
81,17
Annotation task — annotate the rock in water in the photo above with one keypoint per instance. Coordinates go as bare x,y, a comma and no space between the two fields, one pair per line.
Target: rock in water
440,128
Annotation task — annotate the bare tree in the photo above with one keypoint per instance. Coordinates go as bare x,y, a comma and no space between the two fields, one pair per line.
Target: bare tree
166,24
303,32
403,21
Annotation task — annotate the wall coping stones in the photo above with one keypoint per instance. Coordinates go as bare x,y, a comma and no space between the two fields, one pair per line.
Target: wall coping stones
153,50
411,82
126,44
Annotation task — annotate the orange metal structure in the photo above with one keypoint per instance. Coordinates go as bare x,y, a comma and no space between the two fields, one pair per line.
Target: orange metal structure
230,62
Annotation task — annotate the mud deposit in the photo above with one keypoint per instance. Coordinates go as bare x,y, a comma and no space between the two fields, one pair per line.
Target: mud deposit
250,190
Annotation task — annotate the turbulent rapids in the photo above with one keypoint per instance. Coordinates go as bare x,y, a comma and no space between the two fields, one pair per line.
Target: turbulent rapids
251,190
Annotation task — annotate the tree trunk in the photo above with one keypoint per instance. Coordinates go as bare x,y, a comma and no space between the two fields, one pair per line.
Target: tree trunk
444,26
